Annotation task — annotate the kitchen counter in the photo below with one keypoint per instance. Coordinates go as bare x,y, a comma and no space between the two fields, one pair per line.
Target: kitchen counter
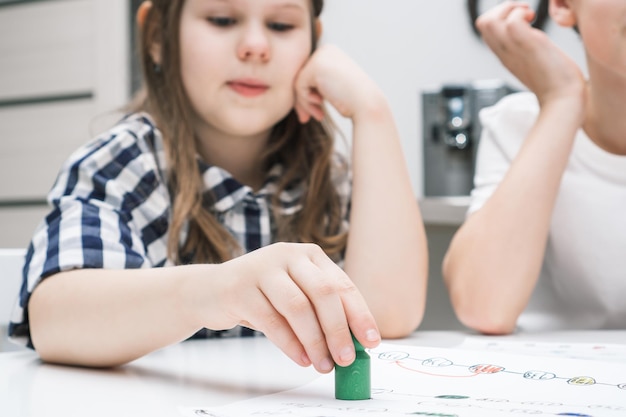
445,211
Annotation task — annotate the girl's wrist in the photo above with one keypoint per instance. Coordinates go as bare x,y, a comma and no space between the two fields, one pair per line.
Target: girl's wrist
192,294
373,107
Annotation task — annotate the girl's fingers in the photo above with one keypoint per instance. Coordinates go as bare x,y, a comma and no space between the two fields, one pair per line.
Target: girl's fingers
303,115
329,76
303,302
323,291
245,303
359,318
266,319
305,112
309,101
300,315
362,325
330,291
314,97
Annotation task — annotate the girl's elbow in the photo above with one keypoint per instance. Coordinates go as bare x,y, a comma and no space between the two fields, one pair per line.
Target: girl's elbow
397,325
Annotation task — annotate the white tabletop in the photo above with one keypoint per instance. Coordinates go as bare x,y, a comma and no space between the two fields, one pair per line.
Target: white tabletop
193,373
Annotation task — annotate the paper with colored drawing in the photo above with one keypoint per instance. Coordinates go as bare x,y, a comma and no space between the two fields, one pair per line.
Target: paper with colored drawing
587,351
440,382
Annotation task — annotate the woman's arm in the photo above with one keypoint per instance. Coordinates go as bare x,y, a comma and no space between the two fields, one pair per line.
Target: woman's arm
387,253
494,260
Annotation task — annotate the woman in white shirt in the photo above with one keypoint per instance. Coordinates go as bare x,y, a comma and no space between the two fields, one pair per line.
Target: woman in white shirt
543,246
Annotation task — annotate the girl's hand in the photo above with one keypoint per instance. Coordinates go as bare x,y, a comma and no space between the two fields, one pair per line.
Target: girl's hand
332,76
529,54
298,297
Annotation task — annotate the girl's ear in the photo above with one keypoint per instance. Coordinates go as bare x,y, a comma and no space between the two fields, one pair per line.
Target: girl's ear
562,13
142,16
318,29
142,12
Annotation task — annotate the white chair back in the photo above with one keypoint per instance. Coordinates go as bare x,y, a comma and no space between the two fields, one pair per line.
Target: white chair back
11,264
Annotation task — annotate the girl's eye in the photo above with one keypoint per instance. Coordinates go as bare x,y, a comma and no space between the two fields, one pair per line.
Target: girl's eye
222,21
279,27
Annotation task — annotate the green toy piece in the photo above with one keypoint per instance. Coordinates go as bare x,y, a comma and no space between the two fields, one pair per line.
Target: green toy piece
353,382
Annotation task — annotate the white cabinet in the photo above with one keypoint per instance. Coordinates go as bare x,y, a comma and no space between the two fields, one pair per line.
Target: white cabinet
46,49
64,75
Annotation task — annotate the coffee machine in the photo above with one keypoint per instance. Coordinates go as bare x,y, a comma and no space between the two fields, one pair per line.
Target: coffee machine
451,132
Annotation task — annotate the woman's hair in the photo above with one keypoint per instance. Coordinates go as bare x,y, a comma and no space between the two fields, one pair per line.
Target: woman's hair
305,152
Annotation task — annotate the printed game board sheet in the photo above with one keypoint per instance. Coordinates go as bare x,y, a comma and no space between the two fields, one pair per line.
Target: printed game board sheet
588,351
454,382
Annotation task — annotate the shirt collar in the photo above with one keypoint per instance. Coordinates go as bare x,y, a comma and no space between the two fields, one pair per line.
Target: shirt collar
226,192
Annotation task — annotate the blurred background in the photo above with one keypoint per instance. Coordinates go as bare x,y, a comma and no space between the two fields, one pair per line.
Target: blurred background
67,67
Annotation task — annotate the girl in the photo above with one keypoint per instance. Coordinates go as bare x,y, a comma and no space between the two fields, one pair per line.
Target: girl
544,247
177,220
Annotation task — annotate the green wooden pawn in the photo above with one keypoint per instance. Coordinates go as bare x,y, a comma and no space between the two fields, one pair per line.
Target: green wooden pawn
353,382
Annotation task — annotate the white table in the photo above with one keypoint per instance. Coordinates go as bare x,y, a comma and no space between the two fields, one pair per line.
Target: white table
192,373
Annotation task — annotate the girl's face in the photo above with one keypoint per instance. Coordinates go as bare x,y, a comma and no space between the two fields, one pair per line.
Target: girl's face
239,60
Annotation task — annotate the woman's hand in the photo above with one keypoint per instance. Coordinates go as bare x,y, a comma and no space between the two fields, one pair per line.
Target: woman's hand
297,296
332,76
529,54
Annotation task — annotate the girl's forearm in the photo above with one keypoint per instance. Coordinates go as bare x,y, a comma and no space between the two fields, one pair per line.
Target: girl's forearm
108,317
386,254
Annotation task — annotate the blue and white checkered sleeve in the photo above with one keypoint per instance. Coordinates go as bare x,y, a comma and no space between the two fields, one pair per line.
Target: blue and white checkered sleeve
108,207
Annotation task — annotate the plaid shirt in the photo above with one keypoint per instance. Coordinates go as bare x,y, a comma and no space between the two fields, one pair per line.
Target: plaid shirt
111,210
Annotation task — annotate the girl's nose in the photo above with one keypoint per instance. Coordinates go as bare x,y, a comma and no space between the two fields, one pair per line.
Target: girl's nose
254,44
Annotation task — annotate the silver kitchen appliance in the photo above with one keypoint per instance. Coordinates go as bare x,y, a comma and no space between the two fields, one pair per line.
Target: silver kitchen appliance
451,132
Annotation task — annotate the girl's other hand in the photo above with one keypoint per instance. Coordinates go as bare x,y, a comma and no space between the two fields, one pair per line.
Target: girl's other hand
529,53
298,297
331,75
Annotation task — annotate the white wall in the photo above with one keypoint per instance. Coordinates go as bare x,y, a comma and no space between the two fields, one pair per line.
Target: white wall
411,45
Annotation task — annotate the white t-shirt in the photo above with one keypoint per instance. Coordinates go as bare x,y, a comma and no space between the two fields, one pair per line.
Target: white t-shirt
583,279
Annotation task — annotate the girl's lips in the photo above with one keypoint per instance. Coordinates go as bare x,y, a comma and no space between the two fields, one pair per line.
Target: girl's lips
248,88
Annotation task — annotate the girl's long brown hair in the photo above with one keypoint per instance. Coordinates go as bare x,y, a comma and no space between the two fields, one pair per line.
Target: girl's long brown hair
305,152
